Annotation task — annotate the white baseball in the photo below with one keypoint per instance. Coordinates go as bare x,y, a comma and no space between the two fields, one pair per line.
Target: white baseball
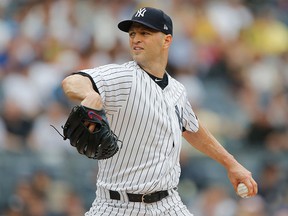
242,190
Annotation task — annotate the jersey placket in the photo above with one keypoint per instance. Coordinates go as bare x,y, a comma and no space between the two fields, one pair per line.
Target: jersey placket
174,125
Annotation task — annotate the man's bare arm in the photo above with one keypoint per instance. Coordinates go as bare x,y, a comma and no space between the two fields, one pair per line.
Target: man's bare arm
79,88
206,143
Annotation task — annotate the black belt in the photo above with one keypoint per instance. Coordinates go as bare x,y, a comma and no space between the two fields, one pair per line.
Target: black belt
145,198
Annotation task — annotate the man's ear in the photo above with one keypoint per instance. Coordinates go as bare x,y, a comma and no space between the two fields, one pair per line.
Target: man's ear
167,41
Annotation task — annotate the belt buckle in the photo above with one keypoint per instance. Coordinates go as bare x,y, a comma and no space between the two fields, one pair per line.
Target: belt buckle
143,198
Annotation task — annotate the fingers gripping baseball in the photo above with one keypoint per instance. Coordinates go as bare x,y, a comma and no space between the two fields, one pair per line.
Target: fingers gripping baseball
247,188
242,181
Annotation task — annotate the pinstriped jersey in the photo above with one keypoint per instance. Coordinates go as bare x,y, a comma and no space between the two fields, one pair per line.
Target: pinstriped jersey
149,122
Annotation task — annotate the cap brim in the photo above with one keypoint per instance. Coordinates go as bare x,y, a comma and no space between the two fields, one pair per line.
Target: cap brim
126,25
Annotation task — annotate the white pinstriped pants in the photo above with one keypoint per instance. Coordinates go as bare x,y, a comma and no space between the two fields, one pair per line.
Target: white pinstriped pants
169,206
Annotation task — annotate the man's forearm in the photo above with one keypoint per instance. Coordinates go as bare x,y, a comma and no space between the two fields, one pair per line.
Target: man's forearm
206,143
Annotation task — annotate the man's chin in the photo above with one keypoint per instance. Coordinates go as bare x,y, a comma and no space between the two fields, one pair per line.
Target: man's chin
137,59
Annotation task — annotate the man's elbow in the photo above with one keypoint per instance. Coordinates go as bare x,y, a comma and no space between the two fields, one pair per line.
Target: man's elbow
69,84
66,83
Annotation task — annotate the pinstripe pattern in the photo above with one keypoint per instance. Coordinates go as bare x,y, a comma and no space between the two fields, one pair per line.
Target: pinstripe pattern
144,117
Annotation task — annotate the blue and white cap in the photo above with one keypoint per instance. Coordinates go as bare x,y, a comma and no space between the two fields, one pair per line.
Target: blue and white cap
150,17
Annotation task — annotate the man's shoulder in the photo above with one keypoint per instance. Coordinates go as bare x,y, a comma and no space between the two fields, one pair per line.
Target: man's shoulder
175,82
127,66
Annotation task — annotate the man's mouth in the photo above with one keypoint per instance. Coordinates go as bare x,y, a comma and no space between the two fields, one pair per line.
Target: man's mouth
137,48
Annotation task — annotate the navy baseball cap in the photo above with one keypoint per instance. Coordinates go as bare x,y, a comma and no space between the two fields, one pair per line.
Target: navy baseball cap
150,17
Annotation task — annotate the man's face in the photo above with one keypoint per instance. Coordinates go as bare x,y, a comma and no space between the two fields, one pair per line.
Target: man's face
146,44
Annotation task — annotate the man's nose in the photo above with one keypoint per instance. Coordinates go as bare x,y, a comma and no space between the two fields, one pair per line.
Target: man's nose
137,38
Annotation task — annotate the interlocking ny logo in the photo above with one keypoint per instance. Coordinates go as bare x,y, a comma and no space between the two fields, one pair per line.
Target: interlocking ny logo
140,12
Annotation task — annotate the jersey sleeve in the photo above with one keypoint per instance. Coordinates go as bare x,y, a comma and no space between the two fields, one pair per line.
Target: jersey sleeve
190,120
113,83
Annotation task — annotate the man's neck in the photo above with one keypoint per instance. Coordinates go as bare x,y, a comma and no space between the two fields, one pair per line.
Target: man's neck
156,70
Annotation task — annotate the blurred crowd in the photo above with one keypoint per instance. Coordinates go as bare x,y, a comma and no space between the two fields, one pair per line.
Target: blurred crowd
232,56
